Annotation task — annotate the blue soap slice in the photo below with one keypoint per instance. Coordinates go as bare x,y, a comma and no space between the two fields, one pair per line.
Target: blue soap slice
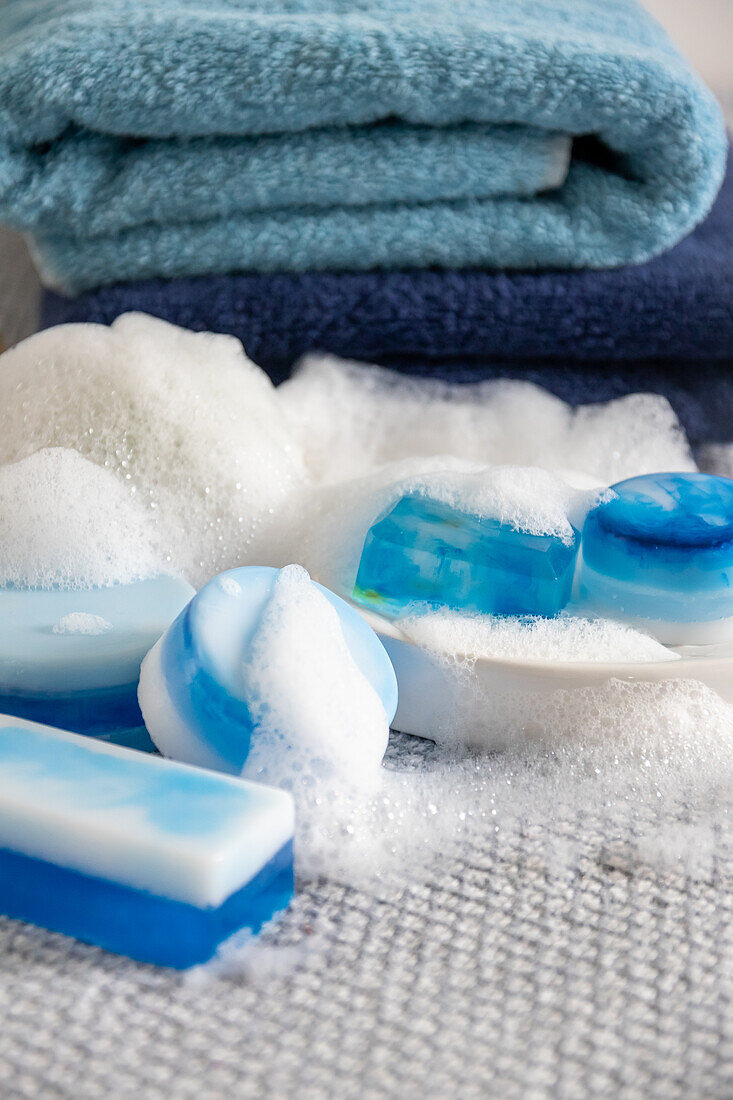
71,658
424,551
660,554
193,699
134,853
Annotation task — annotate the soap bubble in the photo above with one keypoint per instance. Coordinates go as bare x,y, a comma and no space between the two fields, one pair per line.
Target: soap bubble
183,420
320,728
351,418
65,522
196,461
567,637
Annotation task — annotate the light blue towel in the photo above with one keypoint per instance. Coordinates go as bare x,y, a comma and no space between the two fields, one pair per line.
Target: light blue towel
183,137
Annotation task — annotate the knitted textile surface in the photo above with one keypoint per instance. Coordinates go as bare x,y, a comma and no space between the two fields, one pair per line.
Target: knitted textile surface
516,972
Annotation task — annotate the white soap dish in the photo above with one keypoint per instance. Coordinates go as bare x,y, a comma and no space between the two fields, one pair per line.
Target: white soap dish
427,685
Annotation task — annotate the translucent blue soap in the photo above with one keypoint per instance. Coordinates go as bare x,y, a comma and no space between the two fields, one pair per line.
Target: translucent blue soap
660,554
424,551
191,687
134,853
71,658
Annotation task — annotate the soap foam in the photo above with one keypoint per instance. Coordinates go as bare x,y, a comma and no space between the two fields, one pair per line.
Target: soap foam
624,754
67,523
685,848
187,425
716,458
528,499
199,435
82,622
638,756
352,417
567,637
255,959
183,420
633,753
319,724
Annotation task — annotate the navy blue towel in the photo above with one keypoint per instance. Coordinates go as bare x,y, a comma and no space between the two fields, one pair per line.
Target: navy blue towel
665,326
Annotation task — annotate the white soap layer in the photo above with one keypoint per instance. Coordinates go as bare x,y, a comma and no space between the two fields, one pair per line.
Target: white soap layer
604,594
133,818
168,729
54,641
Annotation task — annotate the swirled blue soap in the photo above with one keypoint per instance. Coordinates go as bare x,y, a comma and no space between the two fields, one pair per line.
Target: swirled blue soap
659,554
424,551
205,702
71,657
134,853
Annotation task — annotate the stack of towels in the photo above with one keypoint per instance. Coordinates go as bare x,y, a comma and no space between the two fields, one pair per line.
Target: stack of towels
459,188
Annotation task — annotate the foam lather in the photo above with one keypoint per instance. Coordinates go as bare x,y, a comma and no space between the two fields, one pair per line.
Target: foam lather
187,138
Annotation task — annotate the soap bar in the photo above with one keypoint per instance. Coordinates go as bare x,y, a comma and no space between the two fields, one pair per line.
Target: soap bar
659,554
71,658
195,703
425,551
145,857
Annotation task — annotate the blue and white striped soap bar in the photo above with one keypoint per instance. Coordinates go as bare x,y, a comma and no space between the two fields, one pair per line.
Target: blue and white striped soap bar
143,856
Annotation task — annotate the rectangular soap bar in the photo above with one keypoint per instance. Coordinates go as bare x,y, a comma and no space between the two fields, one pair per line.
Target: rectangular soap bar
143,856
71,657
425,551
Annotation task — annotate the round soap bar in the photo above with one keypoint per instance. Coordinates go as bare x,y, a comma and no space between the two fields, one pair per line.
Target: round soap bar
660,554
192,691
71,657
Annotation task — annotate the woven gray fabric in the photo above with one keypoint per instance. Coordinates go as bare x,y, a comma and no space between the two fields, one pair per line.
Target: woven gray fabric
508,975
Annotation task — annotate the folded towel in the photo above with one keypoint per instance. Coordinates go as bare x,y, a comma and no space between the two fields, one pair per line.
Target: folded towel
664,326
182,138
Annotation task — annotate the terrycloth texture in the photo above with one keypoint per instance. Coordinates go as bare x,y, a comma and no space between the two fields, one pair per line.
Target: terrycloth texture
96,186
101,101
543,964
666,326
